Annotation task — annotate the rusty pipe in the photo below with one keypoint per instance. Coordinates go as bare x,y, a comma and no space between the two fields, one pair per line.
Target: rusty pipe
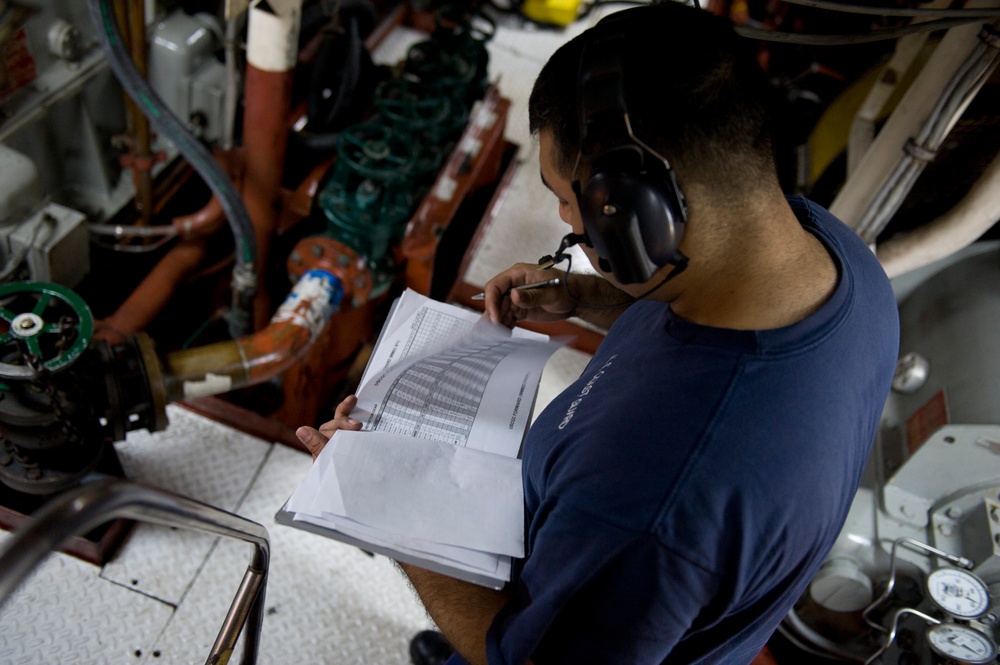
141,172
327,273
225,366
153,293
272,51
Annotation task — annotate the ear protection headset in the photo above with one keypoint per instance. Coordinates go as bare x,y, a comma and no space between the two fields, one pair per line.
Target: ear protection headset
633,211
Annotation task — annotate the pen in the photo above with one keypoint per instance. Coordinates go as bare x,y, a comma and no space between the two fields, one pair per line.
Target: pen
555,281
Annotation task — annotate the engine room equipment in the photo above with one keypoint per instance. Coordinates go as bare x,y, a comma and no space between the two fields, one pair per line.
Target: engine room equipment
61,106
184,68
64,398
39,240
385,165
915,574
370,195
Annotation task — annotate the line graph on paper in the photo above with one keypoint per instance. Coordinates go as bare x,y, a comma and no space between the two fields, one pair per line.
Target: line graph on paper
438,397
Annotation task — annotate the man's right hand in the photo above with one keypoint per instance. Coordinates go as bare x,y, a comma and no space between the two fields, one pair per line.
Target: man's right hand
507,306
315,440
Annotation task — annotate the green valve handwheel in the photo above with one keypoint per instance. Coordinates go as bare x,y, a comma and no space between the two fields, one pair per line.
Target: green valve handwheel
42,324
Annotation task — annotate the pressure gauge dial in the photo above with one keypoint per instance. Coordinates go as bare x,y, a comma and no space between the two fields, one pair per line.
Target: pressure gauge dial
958,592
961,645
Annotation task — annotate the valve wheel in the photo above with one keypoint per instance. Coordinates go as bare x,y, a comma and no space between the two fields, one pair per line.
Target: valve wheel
43,325
373,151
408,102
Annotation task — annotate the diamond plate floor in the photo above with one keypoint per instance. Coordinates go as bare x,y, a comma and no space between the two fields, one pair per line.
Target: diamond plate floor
162,599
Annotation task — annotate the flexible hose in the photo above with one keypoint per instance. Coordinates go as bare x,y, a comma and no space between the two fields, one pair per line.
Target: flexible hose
244,272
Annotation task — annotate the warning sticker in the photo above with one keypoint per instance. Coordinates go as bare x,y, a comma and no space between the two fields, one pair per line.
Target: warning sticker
926,420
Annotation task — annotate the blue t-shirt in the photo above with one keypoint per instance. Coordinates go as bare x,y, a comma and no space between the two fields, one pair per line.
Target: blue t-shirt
681,494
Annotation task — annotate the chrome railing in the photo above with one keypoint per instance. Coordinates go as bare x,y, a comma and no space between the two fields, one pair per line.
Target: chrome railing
83,509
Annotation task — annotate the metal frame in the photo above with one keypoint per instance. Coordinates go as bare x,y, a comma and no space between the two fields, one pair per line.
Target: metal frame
90,506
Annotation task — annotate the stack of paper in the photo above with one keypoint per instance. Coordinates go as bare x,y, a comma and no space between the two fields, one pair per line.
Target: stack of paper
434,477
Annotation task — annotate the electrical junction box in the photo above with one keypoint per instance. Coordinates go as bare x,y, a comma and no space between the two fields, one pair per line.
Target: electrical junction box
53,245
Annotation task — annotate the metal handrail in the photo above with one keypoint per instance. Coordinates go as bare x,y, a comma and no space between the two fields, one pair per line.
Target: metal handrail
81,510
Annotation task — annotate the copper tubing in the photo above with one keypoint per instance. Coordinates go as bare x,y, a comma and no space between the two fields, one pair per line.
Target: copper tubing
142,163
131,24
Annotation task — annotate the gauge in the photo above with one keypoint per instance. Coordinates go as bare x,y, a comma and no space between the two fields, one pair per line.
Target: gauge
961,644
958,592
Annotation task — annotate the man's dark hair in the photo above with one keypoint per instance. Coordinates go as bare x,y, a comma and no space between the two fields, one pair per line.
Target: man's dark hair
693,90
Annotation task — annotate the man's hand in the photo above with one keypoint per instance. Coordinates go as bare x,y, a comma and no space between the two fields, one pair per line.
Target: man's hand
507,305
590,297
315,440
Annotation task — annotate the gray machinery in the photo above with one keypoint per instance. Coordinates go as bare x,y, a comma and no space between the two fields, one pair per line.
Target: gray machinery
64,122
914,577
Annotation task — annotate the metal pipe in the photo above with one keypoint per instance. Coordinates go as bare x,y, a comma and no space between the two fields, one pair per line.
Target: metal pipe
142,162
864,183
224,366
153,293
245,278
922,148
94,504
272,50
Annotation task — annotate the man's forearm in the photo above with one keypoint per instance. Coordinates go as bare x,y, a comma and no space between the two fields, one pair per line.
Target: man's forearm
599,302
462,611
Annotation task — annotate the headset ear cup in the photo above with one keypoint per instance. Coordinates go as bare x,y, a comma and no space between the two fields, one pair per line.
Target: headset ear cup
635,221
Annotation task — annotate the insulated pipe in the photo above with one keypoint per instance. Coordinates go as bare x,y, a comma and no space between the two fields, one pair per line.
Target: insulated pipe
225,366
272,52
874,168
958,228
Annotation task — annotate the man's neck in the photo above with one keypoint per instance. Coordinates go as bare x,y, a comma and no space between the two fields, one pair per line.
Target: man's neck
752,269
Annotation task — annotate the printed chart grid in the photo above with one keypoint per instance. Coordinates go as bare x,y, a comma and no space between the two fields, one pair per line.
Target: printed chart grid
438,397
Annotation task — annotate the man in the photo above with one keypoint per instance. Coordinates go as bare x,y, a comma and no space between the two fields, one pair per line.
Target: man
682,493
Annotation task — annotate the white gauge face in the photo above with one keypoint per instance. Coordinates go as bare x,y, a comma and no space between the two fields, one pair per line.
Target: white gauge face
958,592
961,644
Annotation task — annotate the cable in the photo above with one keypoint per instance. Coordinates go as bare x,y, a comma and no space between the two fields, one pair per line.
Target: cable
851,38
922,148
244,272
679,267
835,5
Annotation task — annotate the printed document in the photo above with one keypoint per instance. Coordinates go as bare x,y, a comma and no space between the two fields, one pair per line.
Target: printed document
434,477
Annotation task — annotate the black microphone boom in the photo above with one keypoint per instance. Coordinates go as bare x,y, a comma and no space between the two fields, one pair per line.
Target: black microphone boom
568,241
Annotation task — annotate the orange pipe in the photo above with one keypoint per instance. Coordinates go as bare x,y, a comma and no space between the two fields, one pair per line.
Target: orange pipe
155,291
265,136
329,273
152,295
224,366
202,223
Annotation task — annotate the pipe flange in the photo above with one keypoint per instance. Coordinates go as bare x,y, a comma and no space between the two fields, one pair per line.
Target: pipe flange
325,253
